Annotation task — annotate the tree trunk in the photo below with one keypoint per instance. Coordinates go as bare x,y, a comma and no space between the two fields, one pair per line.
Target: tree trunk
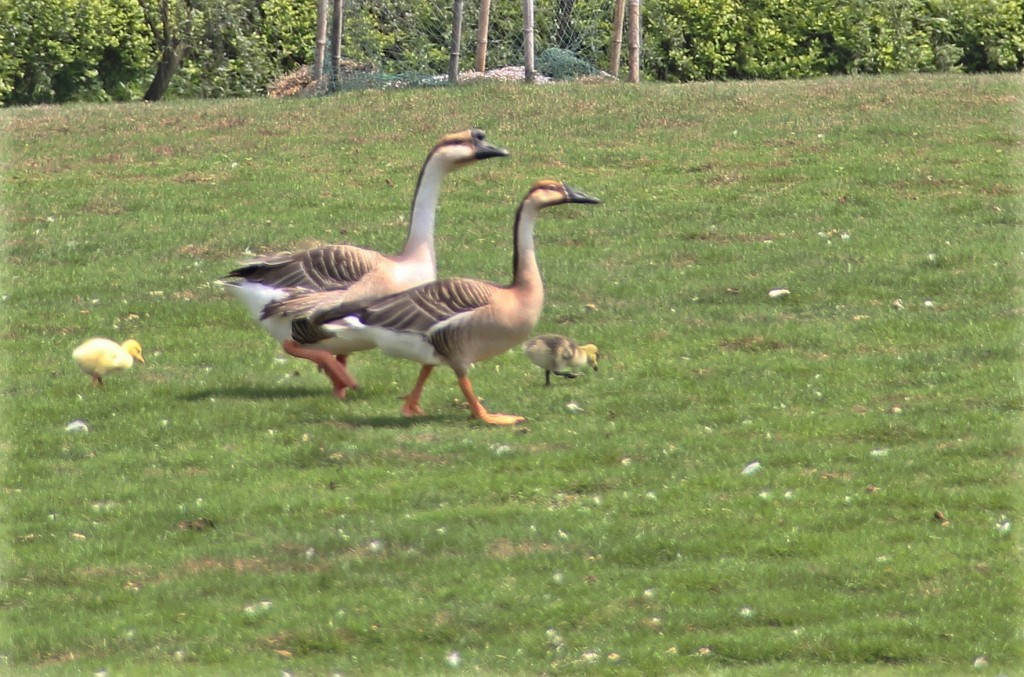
170,62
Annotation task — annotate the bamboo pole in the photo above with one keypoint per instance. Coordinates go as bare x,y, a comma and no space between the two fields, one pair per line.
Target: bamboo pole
321,39
337,31
617,21
482,29
528,39
634,40
453,58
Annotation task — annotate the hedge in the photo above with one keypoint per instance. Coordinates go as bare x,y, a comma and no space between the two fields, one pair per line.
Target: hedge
67,50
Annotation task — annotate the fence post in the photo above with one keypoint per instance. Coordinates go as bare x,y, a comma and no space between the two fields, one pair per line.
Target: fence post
321,39
337,31
617,21
634,40
482,28
453,60
528,39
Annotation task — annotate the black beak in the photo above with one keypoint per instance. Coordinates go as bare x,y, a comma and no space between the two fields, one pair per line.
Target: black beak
485,150
580,197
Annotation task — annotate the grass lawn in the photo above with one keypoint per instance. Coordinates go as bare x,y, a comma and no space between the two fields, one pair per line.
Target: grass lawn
224,515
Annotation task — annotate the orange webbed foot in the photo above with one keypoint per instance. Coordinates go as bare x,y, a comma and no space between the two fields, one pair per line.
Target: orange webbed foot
500,419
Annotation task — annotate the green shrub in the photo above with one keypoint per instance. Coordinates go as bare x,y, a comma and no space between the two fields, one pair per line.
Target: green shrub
229,56
707,39
989,34
784,39
289,29
72,50
692,39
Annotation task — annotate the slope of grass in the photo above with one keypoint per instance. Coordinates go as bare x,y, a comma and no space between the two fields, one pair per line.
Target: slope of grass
225,515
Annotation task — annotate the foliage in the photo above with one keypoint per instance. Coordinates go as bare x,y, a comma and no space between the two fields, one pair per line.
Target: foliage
229,55
100,50
288,28
987,35
715,39
71,50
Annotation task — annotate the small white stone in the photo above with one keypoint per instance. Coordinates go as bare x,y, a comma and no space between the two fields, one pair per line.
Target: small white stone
77,426
778,293
751,468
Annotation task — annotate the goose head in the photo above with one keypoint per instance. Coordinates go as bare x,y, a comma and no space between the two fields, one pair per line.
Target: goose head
132,347
463,148
549,192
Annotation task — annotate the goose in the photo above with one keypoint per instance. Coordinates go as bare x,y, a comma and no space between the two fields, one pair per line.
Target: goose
354,273
558,355
98,357
453,321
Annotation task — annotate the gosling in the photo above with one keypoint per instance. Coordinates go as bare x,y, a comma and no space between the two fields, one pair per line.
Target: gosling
98,357
558,355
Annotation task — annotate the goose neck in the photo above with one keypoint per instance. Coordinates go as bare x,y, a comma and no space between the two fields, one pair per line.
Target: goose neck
419,242
525,271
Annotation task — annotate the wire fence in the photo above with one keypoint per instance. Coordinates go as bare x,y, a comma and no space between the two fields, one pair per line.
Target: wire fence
403,42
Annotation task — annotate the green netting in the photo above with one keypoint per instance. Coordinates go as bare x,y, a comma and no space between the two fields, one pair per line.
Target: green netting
561,64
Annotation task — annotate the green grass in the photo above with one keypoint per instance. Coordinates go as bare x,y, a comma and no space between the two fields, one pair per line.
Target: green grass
622,539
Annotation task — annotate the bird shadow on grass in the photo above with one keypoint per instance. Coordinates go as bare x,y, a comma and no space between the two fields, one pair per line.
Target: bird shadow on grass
255,393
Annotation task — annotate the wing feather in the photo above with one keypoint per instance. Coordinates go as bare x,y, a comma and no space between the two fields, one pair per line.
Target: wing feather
419,309
332,267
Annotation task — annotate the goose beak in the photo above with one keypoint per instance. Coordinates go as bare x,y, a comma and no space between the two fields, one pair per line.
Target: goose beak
485,150
579,196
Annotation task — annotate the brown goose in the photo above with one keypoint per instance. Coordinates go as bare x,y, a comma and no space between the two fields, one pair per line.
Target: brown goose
558,355
455,321
354,273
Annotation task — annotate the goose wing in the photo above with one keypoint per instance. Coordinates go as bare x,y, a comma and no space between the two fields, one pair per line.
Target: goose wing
301,303
420,309
332,267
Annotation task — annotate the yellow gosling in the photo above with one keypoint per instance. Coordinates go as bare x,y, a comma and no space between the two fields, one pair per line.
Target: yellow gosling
98,357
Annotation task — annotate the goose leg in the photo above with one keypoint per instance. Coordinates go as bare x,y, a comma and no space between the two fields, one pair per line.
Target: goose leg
566,374
334,368
547,377
411,407
478,409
